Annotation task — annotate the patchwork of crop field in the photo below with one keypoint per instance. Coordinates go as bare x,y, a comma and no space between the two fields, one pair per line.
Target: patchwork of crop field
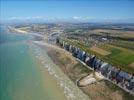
124,44
119,55
116,55
123,33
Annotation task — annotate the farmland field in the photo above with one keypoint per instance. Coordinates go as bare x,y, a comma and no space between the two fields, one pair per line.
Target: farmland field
131,65
121,56
124,44
121,33
100,51
116,55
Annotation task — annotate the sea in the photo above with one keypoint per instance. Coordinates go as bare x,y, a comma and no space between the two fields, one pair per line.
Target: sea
28,73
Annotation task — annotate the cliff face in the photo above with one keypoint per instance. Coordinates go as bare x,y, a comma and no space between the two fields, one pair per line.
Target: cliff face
100,90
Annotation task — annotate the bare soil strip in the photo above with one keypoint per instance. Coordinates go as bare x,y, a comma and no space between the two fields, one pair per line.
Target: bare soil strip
100,51
131,65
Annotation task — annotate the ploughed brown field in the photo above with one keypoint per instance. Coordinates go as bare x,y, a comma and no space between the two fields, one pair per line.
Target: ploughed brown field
131,65
115,32
100,51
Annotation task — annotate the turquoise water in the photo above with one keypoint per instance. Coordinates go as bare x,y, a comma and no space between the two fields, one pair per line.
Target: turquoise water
20,75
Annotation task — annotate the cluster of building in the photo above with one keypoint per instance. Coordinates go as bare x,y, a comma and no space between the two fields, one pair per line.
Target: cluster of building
113,74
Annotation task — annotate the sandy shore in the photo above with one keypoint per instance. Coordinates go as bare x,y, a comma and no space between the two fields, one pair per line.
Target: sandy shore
17,30
71,91
100,90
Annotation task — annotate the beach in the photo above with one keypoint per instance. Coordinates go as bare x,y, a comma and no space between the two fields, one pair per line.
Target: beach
17,30
93,83
71,91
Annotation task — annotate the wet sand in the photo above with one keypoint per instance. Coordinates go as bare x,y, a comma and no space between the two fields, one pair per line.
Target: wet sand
71,91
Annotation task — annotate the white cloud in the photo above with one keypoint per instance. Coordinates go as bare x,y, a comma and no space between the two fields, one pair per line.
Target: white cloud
45,18
16,18
38,17
81,18
77,17
87,17
27,18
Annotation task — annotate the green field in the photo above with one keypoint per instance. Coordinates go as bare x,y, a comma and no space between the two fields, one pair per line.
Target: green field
122,55
124,44
119,56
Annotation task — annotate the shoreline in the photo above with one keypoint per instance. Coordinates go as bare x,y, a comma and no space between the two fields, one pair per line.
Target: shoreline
49,80
13,29
96,90
70,75
71,91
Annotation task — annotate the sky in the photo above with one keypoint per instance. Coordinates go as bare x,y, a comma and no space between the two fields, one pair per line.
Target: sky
78,10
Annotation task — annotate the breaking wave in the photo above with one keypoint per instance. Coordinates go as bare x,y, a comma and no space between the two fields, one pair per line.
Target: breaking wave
71,91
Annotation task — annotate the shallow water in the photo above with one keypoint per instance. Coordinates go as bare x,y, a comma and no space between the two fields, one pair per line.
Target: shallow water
28,73
20,75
